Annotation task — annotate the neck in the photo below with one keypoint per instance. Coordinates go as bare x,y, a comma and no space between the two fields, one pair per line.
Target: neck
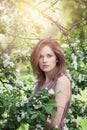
46,82
47,78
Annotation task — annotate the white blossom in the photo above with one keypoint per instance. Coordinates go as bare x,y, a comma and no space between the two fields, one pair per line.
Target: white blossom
17,51
38,125
18,119
68,73
70,111
83,109
22,103
1,92
81,78
11,64
66,121
51,91
21,83
18,72
76,121
39,102
74,61
9,87
75,96
23,114
35,106
65,128
6,56
77,88
49,119
24,52
25,99
56,126
73,85
6,63
17,104
34,98
5,115
46,88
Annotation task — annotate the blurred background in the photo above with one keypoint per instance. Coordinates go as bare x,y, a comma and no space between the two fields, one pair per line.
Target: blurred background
22,24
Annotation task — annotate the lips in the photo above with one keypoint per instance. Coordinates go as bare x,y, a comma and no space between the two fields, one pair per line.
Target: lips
45,66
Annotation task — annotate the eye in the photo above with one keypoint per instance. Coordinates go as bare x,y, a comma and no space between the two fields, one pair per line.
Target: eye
49,55
40,57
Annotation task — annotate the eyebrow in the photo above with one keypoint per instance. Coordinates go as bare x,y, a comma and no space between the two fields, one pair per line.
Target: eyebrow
50,53
46,54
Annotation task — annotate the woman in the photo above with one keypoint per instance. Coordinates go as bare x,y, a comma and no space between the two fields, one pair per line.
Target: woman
48,63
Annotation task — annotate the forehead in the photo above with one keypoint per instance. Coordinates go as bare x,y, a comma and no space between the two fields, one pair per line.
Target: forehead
45,50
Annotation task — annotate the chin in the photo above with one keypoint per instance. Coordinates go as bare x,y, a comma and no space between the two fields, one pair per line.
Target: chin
47,70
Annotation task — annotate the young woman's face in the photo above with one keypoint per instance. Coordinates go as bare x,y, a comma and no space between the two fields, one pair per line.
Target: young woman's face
47,59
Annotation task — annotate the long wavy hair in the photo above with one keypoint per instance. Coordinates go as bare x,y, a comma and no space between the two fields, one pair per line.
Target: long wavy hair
60,65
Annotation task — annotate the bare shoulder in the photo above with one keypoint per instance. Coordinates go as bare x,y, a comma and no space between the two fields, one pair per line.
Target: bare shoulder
63,82
63,78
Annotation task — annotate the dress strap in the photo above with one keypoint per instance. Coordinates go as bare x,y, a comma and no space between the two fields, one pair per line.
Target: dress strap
52,84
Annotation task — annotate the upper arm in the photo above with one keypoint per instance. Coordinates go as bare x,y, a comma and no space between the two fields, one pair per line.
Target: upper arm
62,91
61,97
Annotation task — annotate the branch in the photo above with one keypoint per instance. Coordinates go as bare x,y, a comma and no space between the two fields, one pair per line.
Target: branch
77,24
62,29
69,43
52,5
85,1
41,2
9,47
21,37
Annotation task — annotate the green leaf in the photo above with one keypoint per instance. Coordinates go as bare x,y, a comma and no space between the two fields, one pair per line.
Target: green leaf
49,109
11,124
34,116
42,117
2,109
51,101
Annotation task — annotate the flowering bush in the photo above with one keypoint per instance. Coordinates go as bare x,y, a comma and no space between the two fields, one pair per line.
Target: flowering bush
16,107
10,91
40,108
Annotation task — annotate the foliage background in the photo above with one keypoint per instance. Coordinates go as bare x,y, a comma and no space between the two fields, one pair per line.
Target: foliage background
23,23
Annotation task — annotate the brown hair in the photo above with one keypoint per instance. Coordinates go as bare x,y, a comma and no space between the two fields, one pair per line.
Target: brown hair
56,48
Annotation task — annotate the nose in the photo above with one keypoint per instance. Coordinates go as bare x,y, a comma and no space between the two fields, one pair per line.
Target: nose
44,59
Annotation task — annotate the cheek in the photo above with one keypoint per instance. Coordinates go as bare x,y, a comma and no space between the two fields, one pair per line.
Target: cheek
54,61
39,63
